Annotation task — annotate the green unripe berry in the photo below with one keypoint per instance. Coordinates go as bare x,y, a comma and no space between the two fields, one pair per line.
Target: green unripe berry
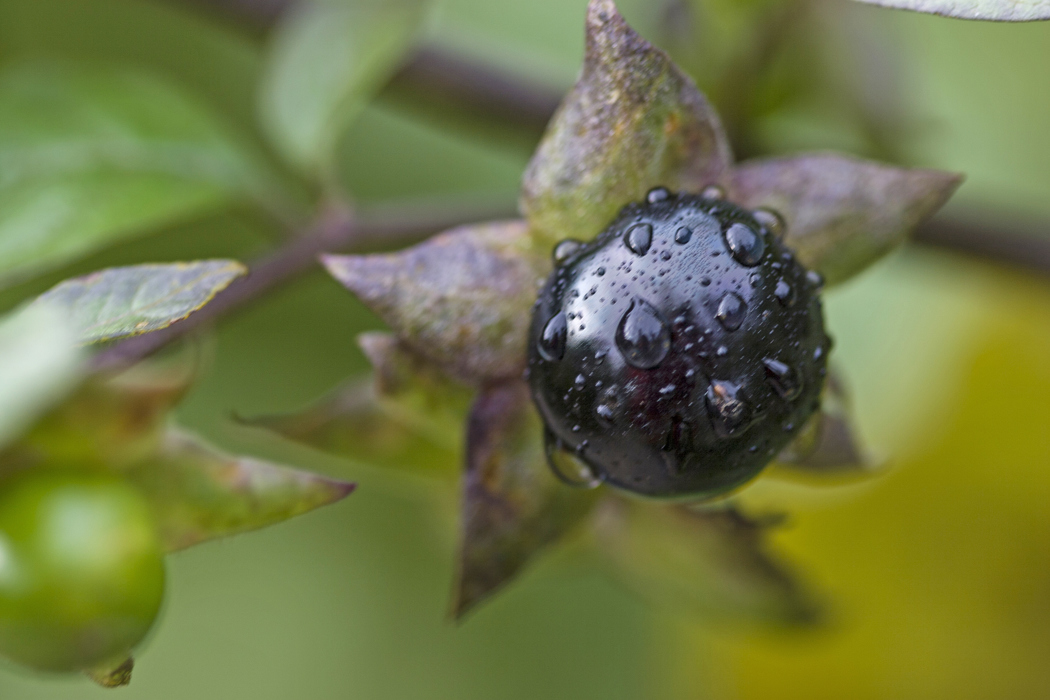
81,570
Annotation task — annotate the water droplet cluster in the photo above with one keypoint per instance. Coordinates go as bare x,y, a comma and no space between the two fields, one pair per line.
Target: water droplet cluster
679,351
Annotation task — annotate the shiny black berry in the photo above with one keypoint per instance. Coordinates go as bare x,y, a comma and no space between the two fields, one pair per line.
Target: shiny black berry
679,351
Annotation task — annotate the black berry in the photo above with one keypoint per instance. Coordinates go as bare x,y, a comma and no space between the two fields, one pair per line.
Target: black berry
678,352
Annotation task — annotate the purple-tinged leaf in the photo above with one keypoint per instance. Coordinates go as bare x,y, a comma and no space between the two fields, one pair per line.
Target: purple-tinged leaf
123,301
632,122
513,506
199,494
408,417
702,564
828,444
992,10
842,213
462,299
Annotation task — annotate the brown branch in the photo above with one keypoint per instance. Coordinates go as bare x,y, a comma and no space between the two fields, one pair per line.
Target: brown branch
335,231
1005,239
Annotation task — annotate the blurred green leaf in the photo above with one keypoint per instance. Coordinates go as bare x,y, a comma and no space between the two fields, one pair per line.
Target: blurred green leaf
126,301
462,299
994,10
108,423
409,416
709,565
198,494
89,156
352,423
842,213
633,121
513,506
327,60
39,364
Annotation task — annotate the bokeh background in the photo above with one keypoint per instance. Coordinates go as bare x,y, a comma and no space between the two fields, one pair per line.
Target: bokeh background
936,573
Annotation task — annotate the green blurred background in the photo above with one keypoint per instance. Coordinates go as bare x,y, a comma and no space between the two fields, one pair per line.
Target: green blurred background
937,573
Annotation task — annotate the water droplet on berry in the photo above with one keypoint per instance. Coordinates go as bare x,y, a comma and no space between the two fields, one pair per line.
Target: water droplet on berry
713,192
552,341
683,234
731,311
771,221
567,466
730,414
783,379
642,336
746,246
815,278
639,237
565,250
784,293
657,194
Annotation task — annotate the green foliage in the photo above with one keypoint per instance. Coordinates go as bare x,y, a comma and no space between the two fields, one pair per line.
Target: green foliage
39,364
126,301
94,155
328,59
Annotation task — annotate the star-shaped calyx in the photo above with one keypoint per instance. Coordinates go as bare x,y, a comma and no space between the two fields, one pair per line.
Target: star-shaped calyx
460,306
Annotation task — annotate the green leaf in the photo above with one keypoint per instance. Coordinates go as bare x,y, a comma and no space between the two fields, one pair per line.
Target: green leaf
328,59
842,213
513,506
462,299
828,444
994,10
709,565
92,156
633,121
125,301
108,423
39,365
408,417
199,494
